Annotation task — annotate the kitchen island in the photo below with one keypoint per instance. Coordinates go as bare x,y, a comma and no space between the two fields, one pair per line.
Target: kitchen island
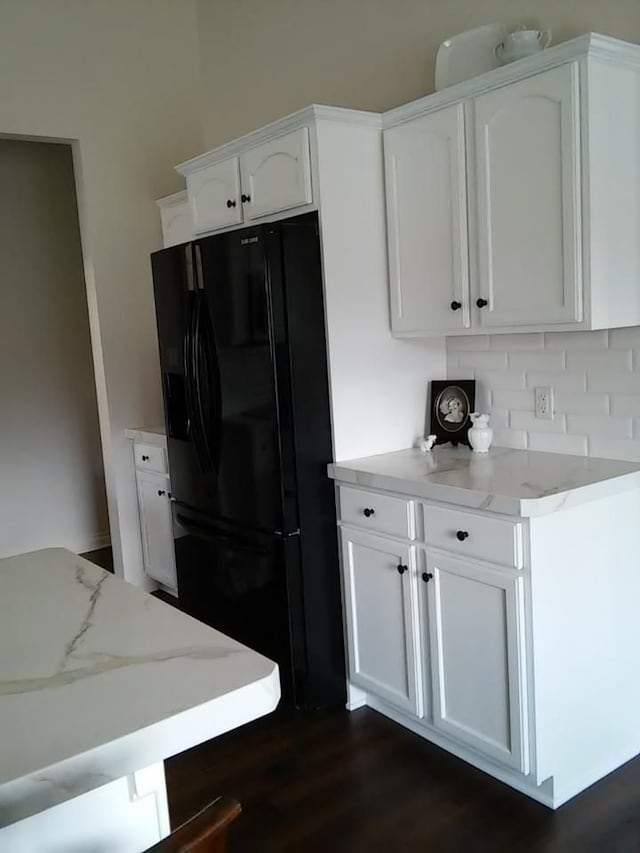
99,683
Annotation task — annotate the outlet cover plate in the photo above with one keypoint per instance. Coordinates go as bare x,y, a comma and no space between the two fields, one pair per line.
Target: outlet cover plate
544,402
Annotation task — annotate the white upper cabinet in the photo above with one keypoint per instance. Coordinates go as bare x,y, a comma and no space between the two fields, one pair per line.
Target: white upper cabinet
527,167
276,175
175,216
528,177
425,174
214,196
257,181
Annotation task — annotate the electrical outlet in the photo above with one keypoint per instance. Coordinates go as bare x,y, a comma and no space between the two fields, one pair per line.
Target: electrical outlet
544,402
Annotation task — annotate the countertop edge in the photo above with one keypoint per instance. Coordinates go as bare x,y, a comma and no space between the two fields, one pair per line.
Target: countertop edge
472,499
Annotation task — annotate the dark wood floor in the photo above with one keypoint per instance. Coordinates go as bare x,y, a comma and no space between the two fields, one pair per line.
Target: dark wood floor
335,781
102,557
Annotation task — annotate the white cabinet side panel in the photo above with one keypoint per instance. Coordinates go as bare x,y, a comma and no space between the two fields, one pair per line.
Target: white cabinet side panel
378,383
585,579
614,193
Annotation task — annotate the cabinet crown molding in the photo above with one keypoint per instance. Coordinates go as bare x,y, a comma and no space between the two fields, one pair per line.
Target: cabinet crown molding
301,118
174,199
590,45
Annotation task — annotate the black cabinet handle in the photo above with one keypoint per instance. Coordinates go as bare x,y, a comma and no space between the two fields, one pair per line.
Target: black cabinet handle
161,492
402,569
245,198
231,202
426,576
145,458
368,512
462,535
455,305
481,303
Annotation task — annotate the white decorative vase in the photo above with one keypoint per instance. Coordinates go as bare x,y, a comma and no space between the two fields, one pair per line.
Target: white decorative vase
480,434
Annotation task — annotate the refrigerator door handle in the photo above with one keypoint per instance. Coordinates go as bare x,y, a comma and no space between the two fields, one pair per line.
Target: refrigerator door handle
189,355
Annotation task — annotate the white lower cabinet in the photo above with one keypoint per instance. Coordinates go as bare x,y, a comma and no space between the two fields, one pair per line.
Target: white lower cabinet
381,604
156,527
477,641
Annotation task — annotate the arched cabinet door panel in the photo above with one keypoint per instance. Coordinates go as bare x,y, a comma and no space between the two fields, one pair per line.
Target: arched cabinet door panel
276,175
527,164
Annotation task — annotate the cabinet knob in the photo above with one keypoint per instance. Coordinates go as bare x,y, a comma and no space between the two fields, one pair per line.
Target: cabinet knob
368,512
481,303
161,492
426,576
245,198
145,458
402,569
231,202
455,305
462,535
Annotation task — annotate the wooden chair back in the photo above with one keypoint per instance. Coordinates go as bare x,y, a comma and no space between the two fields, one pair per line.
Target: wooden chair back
205,832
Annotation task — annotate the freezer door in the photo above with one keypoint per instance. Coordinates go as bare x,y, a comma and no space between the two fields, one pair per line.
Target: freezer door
246,587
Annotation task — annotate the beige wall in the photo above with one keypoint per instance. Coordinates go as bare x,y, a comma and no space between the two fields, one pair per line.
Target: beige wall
119,76
51,474
262,59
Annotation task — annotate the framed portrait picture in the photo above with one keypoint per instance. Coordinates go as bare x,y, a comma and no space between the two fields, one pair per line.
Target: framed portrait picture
451,404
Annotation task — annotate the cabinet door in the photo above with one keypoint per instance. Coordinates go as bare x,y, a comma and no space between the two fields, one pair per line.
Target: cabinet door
156,526
476,624
381,614
427,222
276,175
528,201
176,223
214,196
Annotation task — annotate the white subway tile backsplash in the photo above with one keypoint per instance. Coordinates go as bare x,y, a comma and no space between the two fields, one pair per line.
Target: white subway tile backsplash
624,338
614,383
515,438
500,378
503,398
599,360
559,381
625,404
536,361
576,340
460,343
595,378
609,448
528,421
547,442
606,427
510,343
483,360
582,404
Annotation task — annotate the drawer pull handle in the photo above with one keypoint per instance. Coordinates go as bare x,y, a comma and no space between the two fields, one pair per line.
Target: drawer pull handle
402,568
481,303
462,535
145,458
161,492
231,202
245,198
455,305
426,576
368,512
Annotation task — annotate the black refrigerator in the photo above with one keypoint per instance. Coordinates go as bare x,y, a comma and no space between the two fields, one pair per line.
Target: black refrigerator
244,370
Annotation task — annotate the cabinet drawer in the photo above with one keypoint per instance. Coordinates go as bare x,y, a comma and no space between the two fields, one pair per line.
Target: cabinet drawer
496,540
373,511
150,458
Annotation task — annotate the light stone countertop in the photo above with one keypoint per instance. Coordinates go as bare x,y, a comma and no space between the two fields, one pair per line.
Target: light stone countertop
156,435
513,482
99,679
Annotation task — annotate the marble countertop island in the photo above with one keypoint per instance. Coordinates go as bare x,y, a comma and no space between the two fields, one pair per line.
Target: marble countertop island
99,679
513,482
